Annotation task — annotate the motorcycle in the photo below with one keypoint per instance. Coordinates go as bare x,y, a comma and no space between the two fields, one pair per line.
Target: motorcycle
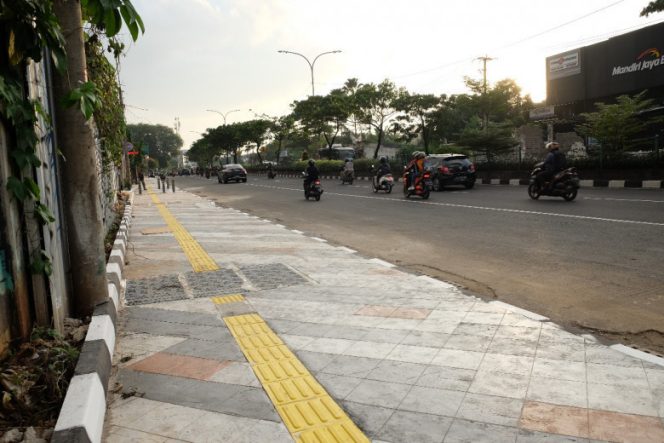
347,177
564,184
385,183
422,187
271,174
314,190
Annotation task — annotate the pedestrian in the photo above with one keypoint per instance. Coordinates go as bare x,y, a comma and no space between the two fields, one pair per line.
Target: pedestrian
141,179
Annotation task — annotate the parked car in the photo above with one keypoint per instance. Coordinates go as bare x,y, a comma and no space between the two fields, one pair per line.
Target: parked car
232,171
450,170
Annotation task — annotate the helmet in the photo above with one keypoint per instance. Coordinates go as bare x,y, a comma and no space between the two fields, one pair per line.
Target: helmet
552,145
420,154
383,159
415,154
347,160
311,162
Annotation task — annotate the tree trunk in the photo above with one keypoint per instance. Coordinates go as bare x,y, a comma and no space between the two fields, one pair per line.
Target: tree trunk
278,151
81,187
380,141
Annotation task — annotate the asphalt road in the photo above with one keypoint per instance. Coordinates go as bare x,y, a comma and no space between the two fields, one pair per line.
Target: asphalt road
596,263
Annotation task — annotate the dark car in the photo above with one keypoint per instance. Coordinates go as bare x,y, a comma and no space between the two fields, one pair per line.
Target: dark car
232,172
185,171
450,170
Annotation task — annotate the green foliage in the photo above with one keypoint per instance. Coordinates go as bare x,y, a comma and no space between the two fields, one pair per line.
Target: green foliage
489,142
85,97
109,112
653,6
162,142
420,112
107,15
615,126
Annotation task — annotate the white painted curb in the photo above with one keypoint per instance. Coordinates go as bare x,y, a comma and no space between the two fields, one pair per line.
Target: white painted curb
84,406
101,328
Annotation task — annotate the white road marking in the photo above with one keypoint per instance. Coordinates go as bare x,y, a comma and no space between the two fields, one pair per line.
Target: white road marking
484,208
623,199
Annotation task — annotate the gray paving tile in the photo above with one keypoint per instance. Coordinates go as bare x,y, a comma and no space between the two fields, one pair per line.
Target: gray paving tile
338,386
561,350
559,369
220,351
456,358
412,354
526,436
476,329
507,363
476,343
218,397
519,332
370,349
407,427
634,376
311,329
272,275
499,384
465,431
378,393
350,366
348,332
396,371
629,400
426,339
160,327
432,401
558,392
171,316
507,346
369,418
386,335
491,409
314,361
443,377
283,326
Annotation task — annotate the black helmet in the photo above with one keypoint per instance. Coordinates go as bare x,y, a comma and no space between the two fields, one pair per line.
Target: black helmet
383,159
347,160
311,162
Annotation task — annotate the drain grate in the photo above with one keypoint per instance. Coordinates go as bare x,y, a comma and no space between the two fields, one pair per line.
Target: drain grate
154,290
272,276
213,283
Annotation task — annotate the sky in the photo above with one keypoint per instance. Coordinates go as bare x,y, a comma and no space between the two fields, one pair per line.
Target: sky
221,55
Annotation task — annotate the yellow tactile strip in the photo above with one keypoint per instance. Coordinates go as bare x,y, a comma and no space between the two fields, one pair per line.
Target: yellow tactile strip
199,259
223,299
308,411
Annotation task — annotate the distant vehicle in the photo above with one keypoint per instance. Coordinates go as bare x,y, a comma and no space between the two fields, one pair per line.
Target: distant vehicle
232,171
450,170
337,153
185,171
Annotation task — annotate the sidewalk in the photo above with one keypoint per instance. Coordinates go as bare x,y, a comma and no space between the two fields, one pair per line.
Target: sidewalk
236,329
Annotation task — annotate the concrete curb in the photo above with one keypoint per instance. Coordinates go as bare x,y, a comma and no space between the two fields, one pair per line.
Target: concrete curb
645,184
81,418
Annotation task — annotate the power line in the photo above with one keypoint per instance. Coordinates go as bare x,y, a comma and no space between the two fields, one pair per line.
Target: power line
513,43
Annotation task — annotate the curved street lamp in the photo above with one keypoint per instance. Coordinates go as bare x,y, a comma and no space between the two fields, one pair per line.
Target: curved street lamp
311,64
222,114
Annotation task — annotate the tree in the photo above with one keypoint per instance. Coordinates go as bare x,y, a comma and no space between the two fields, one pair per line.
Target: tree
489,141
451,116
282,128
616,125
418,118
376,105
76,142
653,6
162,142
255,131
323,115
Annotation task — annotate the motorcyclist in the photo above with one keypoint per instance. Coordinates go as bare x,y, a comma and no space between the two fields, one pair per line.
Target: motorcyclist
415,168
311,174
553,163
383,169
348,169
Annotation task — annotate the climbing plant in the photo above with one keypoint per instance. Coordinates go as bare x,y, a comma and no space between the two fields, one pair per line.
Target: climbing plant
29,30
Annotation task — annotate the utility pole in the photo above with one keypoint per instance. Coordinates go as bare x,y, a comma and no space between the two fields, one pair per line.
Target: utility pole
485,117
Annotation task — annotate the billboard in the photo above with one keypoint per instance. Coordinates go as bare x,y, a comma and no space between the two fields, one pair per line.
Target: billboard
628,63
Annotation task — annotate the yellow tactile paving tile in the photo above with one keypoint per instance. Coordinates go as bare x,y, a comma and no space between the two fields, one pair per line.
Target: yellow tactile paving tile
307,410
199,259
223,299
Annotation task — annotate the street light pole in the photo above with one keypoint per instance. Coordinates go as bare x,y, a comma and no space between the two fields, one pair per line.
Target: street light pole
222,114
311,64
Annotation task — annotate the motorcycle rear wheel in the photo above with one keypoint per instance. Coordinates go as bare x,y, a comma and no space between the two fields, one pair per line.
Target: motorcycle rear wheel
425,195
318,197
534,191
570,195
389,189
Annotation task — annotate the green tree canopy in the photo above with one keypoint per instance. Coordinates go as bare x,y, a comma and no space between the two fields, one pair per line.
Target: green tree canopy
162,142
616,125
419,114
376,105
653,6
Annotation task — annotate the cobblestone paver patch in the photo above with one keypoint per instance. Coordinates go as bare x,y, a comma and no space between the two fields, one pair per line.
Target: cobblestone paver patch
154,290
214,283
272,276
